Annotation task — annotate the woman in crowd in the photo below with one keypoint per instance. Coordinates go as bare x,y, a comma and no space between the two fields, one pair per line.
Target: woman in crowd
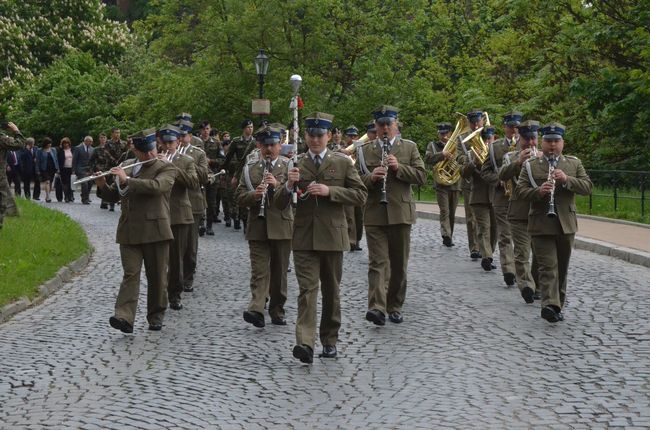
65,165
48,166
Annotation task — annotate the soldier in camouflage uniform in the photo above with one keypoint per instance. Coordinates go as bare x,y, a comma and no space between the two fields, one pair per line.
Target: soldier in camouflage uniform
235,158
101,161
7,143
216,158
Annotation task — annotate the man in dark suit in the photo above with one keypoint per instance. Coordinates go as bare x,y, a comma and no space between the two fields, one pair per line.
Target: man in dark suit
13,171
81,166
27,161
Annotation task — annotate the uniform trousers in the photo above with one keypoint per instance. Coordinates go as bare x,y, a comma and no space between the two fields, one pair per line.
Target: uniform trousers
472,230
553,253
212,210
312,267
178,248
358,220
447,203
504,235
155,256
522,252
352,225
388,255
189,258
269,264
487,228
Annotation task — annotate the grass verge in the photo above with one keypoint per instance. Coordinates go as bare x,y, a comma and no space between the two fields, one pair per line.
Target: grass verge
33,247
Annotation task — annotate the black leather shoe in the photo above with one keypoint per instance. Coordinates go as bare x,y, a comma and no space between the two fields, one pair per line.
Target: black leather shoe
228,224
188,288
560,316
395,317
237,224
111,209
85,202
121,324
278,321
376,316
446,240
509,278
528,294
209,231
357,247
550,314
329,351
255,318
155,326
177,306
103,206
486,264
303,353
352,248
475,255
217,220
201,231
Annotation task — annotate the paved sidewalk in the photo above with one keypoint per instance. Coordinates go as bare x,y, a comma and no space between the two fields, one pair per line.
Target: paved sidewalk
470,353
626,240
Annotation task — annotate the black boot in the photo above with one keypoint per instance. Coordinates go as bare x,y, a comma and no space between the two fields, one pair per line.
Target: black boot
209,230
237,224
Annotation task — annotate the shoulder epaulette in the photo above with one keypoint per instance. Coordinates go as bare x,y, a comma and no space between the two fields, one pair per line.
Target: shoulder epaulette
407,141
301,156
572,157
283,158
197,148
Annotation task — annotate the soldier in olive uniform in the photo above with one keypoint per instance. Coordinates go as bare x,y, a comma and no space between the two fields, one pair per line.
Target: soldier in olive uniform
446,195
518,210
7,143
475,116
550,182
234,157
194,140
269,229
197,199
181,216
102,160
480,198
388,223
143,231
216,157
351,134
326,181
490,174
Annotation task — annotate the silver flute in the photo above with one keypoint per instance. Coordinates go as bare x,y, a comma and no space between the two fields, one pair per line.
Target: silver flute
167,157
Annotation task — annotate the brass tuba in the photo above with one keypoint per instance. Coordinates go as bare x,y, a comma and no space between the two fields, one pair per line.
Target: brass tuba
447,172
477,147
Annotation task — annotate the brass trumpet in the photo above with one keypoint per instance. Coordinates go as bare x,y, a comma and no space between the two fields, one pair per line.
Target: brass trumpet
212,177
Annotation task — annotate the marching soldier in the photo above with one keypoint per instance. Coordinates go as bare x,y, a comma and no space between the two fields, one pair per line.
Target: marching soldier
194,140
269,229
550,182
326,182
181,216
446,195
490,174
102,160
475,117
215,157
235,156
197,200
224,181
480,198
518,210
143,232
7,143
388,165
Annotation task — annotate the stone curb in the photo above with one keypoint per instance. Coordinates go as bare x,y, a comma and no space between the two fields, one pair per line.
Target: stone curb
629,255
65,274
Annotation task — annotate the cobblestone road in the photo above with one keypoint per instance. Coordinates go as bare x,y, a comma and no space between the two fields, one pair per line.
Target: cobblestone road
469,354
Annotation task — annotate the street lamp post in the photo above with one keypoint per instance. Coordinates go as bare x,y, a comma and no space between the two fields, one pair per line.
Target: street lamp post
262,67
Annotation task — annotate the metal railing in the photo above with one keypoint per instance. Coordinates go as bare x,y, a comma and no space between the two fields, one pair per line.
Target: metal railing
617,185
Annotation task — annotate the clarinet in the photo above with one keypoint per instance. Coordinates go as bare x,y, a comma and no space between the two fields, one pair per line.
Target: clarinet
267,169
384,155
552,162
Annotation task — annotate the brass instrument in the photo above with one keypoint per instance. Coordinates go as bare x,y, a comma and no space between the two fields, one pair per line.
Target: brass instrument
552,163
448,171
477,146
384,156
508,185
212,177
355,144
267,170
167,157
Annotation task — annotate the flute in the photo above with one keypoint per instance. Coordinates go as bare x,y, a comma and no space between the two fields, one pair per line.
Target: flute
166,157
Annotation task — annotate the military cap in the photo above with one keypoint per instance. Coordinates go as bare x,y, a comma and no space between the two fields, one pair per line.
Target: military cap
371,127
385,114
169,133
528,128
475,115
184,116
184,126
268,135
512,118
279,125
553,130
351,131
318,123
245,123
444,127
144,140
487,131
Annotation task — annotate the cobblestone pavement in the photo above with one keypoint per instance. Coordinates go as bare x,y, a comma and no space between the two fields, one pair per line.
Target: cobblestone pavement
470,353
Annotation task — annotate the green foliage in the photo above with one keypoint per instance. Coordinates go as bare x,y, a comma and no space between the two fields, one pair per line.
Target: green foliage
26,264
